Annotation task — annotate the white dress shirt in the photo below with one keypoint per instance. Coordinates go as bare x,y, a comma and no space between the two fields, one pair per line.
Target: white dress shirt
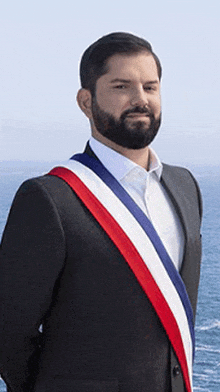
147,191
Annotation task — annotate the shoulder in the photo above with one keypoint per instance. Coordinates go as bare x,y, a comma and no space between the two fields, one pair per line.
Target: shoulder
46,186
43,184
183,180
43,196
178,172
180,175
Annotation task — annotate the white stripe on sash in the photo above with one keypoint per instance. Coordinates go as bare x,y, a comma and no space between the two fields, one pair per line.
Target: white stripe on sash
143,245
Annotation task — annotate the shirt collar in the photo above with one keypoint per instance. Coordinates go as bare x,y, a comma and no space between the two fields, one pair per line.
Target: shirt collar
118,165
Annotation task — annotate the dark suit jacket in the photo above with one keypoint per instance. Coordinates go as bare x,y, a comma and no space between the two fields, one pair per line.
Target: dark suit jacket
61,270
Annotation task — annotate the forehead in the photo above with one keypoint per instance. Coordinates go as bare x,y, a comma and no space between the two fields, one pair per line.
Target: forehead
139,65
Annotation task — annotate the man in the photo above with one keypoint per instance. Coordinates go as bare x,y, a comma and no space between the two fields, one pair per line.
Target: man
100,258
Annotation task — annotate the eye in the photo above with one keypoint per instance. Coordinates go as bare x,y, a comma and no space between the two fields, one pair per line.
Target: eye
148,88
120,86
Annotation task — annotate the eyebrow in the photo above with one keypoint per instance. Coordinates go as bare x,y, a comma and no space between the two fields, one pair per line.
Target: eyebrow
118,80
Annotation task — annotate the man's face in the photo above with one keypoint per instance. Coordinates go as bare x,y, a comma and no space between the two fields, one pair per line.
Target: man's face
126,107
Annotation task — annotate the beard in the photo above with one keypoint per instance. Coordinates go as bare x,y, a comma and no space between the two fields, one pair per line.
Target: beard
134,134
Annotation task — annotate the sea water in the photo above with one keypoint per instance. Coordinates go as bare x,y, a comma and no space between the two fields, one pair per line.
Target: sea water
207,358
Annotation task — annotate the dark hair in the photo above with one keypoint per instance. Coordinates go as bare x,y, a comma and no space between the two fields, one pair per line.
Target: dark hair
94,60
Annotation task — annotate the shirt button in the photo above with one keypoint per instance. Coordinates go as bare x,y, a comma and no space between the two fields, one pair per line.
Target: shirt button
176,370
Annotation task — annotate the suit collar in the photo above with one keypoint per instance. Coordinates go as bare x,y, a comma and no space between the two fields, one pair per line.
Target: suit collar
172,183
172,189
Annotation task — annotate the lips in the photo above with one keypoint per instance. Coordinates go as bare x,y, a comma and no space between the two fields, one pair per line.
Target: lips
137,115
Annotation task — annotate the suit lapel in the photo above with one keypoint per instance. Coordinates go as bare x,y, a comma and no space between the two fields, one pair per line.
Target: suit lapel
169,182
89,151
171,185
185,201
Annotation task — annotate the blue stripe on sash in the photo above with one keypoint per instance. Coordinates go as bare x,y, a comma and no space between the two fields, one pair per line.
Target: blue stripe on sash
97,167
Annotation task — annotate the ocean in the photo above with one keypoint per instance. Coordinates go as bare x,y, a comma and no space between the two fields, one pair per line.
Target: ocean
207,358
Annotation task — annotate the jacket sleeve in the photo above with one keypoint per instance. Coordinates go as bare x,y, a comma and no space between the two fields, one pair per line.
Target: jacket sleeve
32,257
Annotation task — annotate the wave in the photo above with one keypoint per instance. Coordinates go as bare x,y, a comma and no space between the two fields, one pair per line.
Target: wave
214,324
207,348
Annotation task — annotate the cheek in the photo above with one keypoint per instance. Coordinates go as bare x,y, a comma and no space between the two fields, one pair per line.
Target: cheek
156,105
111,104
104,101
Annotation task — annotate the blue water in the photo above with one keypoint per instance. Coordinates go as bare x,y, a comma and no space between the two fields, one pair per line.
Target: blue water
207,359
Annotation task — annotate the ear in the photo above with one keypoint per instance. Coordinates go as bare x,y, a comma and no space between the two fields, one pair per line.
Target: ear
84,100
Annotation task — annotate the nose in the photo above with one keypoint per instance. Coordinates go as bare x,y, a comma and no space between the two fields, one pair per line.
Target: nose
139,97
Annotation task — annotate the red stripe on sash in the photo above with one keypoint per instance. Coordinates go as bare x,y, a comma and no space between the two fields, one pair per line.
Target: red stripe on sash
132,257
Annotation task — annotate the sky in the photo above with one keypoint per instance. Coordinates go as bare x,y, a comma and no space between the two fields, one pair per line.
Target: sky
41,45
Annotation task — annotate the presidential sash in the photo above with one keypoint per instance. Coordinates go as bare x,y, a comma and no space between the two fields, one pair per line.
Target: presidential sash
135,237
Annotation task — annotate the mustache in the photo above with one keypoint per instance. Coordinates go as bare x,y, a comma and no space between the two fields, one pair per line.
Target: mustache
137,109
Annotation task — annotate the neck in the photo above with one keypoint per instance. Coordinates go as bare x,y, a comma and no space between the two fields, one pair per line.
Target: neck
140,156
